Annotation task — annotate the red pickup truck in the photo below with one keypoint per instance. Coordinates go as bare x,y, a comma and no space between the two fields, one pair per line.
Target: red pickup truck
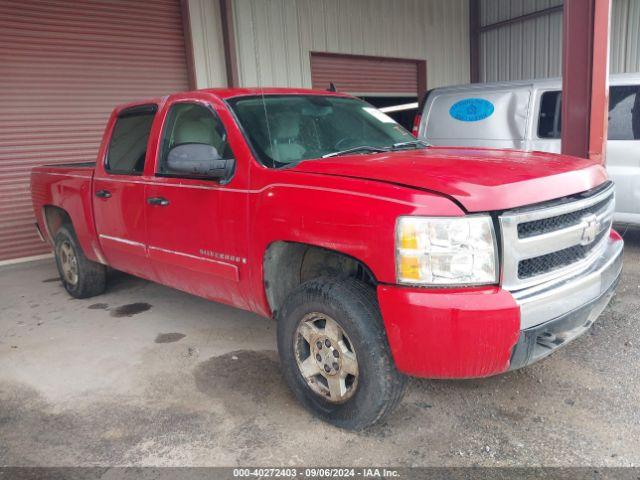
378,255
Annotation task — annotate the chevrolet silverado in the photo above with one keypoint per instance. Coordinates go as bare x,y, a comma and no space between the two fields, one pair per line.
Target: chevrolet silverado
379,256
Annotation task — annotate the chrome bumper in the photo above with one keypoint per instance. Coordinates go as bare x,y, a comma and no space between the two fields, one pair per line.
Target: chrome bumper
550,300
553,315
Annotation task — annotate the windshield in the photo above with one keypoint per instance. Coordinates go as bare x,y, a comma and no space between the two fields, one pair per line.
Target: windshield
285,129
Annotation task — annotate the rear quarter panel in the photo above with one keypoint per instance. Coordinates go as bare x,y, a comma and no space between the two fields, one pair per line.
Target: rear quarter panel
69,188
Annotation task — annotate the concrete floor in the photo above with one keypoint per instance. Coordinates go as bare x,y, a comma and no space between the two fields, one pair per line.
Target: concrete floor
146,375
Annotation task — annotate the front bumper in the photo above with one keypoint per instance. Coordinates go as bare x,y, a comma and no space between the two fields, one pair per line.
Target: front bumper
478,332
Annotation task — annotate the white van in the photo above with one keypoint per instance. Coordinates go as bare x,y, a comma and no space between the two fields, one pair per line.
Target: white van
525,115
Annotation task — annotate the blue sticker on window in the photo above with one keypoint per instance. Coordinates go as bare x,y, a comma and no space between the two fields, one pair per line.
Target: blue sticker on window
471,109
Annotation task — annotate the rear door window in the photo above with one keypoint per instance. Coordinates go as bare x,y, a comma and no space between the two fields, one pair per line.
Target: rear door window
128,144
624,112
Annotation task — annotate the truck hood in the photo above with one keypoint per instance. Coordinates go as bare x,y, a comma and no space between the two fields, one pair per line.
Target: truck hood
478,179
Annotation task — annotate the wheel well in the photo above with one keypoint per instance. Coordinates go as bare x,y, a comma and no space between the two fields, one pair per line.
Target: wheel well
289,264
55,217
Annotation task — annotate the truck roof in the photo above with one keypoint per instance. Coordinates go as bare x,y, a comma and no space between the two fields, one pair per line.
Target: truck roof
225,93
238,92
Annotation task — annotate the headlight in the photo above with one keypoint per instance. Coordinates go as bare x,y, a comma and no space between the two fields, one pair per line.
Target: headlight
446,250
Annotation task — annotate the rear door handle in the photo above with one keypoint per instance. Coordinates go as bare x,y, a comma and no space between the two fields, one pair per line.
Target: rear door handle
103,194
160,201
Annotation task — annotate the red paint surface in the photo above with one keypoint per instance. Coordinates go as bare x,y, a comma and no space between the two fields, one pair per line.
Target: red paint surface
615,235
416,125
450,333
211,238
480,179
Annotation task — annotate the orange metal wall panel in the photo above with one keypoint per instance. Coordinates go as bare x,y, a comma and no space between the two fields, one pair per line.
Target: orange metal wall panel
63,66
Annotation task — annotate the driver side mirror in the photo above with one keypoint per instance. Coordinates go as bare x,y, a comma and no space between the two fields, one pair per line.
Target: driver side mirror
199,160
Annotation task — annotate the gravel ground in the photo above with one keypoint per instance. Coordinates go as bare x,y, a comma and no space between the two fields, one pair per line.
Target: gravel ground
146,375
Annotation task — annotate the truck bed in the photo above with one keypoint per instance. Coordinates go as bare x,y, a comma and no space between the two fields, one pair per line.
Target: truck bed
69,187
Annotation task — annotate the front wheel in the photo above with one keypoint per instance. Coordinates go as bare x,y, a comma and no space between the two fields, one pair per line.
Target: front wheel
334,353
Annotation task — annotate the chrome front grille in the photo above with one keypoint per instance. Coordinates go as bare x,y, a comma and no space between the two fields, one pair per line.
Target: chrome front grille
552,261
556,239
538,227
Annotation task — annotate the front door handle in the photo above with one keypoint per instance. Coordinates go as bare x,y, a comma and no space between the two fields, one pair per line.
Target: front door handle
103,194
160,201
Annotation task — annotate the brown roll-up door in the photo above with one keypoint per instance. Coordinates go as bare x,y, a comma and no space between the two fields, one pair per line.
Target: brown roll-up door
63,66
359,74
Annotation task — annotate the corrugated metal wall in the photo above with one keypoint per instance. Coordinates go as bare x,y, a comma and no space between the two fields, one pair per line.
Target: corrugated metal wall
533,48
529,49
274,37
206,38
625,36
63,67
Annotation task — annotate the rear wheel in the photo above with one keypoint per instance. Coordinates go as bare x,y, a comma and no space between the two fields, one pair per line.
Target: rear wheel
334,353
81,277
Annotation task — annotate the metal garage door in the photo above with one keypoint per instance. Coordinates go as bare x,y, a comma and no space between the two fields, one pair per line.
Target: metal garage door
63,66
365,75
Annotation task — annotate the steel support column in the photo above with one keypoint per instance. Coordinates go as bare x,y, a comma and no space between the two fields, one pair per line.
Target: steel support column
585,72
474,41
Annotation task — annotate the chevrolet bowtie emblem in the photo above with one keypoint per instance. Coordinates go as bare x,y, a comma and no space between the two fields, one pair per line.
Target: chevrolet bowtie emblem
590,229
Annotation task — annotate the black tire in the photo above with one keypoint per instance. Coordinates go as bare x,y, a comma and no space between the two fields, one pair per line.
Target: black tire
91,276
354,306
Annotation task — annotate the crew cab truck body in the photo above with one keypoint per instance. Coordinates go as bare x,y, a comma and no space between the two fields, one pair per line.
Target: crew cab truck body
379,257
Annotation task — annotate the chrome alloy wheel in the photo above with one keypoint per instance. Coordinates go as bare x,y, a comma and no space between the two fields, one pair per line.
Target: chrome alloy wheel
68,263
326,358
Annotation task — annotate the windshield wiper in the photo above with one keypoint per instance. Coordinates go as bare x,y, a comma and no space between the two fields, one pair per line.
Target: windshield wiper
410,143
368,148
361,148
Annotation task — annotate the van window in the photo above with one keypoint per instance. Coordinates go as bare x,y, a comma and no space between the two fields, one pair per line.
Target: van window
550,115
128,144
624,113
